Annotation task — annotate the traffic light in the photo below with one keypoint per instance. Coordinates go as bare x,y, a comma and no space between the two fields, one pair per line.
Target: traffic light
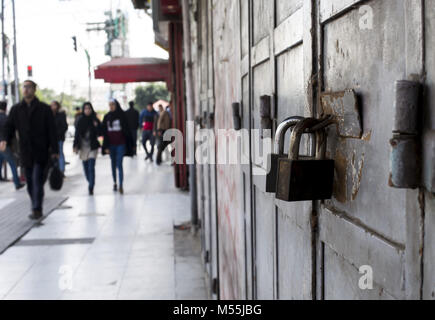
75,43
29,71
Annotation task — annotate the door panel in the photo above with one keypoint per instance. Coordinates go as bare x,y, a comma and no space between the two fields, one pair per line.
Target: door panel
294,249
263,19
244,28
285,8
264,246
294,233
283,234
262,85
342,279
290,86
368,61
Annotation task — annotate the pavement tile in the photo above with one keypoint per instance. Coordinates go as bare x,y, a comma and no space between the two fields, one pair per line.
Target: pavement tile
133,255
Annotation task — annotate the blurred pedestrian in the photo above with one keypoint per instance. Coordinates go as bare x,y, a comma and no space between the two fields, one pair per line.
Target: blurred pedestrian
34,122
117,141
7,155
168,109
133,122
61,129
86,142
77,116
147,121
163,124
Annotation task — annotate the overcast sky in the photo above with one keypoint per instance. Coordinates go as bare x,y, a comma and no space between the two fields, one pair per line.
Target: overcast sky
45,28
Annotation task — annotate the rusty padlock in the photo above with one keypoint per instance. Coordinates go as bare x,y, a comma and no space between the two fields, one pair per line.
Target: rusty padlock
272,161
305,178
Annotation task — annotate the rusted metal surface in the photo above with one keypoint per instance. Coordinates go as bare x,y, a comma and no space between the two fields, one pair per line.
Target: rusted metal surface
344,107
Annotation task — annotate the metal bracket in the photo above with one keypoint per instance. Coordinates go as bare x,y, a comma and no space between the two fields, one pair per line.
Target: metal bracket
343,106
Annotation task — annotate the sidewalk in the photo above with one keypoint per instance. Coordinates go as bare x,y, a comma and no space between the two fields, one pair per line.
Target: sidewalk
109,246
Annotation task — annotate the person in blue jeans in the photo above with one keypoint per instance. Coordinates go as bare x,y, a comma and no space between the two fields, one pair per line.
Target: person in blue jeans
9,158
86,142
117,142
147,121
61,129
7,154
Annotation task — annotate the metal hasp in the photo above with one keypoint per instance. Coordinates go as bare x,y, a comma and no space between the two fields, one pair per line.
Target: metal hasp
237,119
343,106
309,178
272,164
406,152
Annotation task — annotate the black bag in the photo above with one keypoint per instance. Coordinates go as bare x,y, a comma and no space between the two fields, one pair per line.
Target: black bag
55,177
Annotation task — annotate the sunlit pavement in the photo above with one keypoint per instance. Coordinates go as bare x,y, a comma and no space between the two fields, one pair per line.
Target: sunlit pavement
108,246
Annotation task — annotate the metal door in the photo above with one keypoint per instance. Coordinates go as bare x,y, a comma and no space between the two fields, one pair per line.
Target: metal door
277,62
367,46
207,176
297,51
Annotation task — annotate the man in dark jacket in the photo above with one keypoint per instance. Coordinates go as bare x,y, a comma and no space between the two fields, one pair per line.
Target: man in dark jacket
133,121
34,123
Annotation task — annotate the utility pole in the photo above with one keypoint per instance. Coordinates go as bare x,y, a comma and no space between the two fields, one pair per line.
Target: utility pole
89,74
116,30
17,91
88,57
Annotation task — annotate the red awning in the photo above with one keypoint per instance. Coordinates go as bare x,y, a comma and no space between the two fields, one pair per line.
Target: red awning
126,70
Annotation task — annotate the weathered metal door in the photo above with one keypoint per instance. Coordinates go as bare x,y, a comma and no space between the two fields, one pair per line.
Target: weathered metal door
369,230
207,176
297,51
277,62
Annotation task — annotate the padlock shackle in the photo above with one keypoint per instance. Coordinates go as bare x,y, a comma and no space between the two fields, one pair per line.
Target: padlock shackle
324,123
296,136
320,144
282,130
